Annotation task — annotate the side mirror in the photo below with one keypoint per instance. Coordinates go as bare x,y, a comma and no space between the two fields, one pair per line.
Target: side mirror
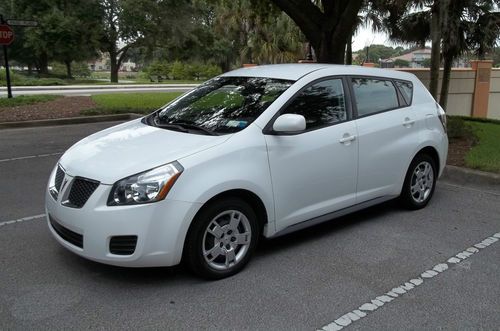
288,123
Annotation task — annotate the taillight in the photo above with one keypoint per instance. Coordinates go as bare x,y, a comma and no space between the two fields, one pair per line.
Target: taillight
442,116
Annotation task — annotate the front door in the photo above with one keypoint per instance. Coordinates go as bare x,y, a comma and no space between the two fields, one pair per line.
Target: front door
314,172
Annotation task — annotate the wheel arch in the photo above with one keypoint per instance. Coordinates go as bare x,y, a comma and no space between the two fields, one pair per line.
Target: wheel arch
246,195
433,153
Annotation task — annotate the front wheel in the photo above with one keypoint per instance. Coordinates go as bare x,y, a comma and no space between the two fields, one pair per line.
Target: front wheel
222,239
420,182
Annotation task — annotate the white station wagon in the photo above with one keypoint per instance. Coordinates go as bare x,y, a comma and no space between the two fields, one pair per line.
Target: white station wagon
257,151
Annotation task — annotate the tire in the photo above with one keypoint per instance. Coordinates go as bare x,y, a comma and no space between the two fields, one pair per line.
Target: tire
222,238
420,182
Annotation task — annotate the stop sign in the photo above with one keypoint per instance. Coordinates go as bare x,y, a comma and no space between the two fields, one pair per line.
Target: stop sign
6,34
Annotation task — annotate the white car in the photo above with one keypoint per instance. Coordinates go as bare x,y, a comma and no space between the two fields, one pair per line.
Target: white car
257,151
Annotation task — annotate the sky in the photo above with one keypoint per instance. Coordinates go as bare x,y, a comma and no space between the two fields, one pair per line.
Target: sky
365,36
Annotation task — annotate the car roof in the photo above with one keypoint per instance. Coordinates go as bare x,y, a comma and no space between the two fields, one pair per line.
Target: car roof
294,71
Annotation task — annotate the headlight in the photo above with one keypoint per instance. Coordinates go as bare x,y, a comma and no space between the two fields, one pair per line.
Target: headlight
52,183
149,186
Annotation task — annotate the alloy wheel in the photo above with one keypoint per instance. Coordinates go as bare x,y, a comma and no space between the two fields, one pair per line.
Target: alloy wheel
226,240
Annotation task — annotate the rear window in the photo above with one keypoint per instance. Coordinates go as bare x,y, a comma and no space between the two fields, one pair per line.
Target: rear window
374,95
406,89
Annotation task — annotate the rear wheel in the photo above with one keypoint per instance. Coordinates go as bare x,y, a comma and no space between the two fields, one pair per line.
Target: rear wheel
222,239
420,182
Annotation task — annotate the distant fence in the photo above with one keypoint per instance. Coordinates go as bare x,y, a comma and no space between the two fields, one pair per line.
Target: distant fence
473,91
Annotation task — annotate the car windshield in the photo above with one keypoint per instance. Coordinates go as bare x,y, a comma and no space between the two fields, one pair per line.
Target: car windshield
221,105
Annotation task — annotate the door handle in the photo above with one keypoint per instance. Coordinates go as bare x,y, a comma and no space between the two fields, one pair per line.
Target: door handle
408,122
347,138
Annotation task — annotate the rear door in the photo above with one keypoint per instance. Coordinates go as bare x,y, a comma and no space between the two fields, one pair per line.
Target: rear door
388,131
314,171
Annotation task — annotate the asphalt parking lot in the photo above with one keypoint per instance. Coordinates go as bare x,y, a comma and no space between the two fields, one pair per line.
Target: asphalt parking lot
382,268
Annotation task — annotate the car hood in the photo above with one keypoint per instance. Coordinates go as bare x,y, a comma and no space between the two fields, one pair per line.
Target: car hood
130,148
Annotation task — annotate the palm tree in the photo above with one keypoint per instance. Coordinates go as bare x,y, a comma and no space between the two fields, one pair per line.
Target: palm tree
453,26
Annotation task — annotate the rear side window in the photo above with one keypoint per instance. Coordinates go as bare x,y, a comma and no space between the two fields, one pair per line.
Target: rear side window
406,89
321,104
374,95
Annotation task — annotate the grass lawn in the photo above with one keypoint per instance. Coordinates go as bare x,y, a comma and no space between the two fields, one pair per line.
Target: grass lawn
142,103
26,100
485,155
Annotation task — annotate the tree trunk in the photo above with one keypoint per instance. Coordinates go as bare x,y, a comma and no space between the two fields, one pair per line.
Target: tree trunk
330,50
443,97
114,67
68,69
348,51
436,50
327,29
43,64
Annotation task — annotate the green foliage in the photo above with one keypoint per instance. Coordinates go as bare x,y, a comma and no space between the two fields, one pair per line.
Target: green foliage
426,63
26,100
158,68
67,31
58,70
457,127
485,154
178,71
80,69
181,71
14,77
377,53
142,103
400,63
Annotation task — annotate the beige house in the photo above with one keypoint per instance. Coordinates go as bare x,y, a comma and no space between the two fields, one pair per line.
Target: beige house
102,64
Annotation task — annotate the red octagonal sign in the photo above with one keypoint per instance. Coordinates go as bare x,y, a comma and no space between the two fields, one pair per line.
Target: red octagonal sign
6,34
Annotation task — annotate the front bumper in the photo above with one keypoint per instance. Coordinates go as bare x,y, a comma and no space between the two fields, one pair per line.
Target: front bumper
160,227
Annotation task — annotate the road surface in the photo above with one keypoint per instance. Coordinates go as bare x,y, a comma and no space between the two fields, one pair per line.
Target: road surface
382,268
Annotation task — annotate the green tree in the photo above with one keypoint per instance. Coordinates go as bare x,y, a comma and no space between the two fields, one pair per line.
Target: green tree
327,24
400,63
134,23
67,31
454,27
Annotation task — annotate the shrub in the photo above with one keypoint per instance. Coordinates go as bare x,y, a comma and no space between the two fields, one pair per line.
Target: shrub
457,128
181,71
178,71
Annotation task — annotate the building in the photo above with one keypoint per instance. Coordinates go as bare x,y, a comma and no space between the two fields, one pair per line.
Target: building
103,64
416,59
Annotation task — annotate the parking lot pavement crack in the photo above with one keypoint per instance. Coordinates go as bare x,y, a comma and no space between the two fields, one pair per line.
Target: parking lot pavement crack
365,309
27,218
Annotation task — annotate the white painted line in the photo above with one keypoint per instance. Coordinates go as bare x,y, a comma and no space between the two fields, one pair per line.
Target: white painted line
27,218
374,304
30,157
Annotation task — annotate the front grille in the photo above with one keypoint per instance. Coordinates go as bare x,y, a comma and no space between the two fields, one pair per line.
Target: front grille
80,192
59,178
66,234
122,245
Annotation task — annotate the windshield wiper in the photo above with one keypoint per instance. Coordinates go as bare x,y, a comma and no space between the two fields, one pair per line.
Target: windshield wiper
193,126
171,126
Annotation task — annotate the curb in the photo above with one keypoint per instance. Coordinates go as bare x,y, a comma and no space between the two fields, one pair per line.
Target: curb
69,120
469,176
95,87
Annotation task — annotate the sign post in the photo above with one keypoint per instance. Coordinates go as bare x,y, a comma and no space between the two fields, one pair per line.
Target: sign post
6,38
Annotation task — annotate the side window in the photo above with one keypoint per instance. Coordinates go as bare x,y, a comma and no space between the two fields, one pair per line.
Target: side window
321,104
406,89
374,95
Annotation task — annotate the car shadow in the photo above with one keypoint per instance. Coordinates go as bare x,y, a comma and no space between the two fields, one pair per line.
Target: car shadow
325,229
180,274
